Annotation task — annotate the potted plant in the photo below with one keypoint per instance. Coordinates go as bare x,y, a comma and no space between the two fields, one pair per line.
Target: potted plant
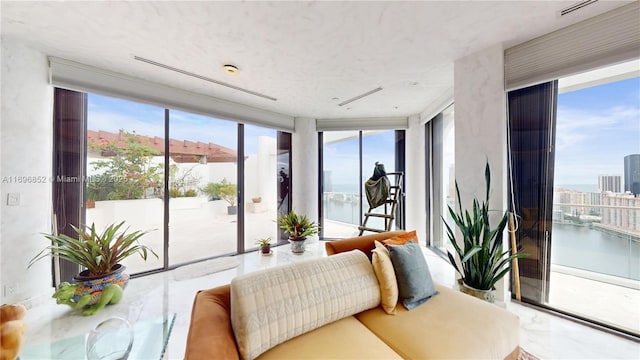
483,262
212,190
228,192
99,254
298,227
265,245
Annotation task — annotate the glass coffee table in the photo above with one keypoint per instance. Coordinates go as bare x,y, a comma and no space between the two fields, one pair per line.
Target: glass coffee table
149,343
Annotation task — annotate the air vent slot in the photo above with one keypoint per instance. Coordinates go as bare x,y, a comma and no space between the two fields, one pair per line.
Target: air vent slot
360,96
576,6
201,77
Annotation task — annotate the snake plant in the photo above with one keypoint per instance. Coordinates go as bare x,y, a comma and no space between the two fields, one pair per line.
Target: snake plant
483,261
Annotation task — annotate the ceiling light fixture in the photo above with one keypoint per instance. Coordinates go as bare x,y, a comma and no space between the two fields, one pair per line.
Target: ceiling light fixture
231,69
360,96
188,73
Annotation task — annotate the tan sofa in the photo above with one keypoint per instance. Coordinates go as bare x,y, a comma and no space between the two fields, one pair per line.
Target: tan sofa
450,325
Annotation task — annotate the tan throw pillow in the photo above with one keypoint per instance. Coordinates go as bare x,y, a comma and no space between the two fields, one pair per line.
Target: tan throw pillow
383,268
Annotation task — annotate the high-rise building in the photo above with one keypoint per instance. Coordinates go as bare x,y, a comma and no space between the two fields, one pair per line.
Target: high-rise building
621,211
632,173
609,183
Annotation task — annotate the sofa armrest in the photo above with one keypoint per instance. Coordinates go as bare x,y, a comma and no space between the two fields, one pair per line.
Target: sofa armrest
210,333
362,243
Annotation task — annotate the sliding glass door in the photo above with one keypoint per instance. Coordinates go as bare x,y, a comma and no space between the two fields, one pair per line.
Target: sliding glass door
341,183
348,160
125,171
202,186
261,181
595,246
442,175
573,145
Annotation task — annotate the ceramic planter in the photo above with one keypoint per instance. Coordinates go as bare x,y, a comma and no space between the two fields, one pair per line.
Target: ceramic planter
298,245
94,285
265,250
486,295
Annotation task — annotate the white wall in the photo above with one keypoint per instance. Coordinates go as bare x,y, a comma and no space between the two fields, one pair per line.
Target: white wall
26,150
415,202
480,131
304,158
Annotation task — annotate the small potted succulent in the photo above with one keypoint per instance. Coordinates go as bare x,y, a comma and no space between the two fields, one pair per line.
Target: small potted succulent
265,245
299,227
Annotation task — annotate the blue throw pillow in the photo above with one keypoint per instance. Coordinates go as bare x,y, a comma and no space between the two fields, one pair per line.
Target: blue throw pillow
415,285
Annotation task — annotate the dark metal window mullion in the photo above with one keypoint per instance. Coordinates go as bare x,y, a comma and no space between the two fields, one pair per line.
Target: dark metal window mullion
320,182
360,176
240,169
428,140
400,151
167,178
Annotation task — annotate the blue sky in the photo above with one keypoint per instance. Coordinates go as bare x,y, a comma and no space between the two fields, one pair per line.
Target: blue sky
596,127
341,159
111,114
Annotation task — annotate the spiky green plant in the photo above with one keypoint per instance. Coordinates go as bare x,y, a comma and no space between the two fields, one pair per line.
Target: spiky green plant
97,252
297,226
264,242
483,262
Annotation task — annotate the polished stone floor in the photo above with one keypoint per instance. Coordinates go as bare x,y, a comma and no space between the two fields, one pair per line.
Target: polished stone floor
147,298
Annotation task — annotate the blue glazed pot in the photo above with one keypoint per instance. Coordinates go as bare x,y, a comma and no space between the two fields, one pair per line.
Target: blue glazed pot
94,285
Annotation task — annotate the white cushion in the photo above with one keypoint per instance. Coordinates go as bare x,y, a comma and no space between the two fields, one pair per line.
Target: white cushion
272,306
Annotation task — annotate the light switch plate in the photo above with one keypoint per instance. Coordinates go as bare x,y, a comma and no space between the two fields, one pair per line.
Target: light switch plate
13,199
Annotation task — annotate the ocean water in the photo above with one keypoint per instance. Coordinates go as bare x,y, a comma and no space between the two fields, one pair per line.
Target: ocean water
578,187
593,250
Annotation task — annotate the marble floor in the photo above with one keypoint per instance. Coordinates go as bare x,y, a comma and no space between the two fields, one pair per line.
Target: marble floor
544,335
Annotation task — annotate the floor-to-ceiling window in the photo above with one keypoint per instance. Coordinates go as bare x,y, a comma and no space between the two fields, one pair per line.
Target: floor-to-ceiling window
378,147
442,175
341,183
573,142
348,160
595,242
125,171
176,174
203,186
261,181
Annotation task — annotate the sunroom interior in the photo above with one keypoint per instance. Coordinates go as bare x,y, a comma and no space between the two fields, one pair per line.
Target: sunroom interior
322,92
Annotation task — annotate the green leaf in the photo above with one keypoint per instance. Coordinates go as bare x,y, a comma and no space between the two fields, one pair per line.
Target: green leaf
97,252
483,261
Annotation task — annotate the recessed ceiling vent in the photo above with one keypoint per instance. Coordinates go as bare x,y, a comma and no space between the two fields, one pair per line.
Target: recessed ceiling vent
360,96
576,6
188,73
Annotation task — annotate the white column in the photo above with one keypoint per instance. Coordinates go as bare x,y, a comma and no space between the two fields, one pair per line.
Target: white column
415,173
305,168
26,146
480,132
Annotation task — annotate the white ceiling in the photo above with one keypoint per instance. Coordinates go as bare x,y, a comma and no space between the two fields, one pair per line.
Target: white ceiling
309,55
